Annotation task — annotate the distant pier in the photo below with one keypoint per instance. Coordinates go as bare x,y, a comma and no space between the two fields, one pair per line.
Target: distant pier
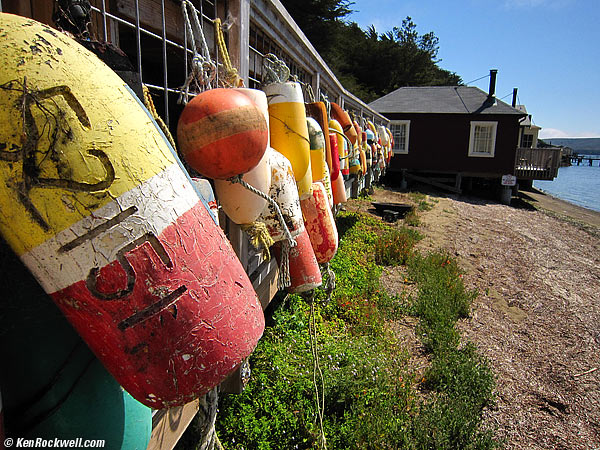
582,159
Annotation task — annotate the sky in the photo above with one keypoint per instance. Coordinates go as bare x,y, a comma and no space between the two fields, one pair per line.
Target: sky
548,49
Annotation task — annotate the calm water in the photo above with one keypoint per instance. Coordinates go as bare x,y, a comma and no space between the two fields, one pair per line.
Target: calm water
576,184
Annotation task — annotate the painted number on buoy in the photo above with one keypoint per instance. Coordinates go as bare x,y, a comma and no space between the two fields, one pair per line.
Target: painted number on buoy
31,137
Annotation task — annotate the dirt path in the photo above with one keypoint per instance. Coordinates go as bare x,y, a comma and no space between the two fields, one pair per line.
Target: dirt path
537,316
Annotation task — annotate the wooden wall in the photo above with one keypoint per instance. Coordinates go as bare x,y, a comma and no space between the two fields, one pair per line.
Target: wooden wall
440,143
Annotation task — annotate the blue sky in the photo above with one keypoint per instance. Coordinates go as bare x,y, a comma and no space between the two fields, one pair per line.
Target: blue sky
548,49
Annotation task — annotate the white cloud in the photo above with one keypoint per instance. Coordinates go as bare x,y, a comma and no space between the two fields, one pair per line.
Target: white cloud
548,133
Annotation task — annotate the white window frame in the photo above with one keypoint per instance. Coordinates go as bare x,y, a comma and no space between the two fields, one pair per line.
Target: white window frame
395,149
494,129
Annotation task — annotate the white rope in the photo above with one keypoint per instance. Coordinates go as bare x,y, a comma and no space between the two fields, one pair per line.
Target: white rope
276,70
203,70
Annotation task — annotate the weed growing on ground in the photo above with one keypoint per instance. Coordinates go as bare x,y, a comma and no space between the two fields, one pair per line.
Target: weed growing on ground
371,400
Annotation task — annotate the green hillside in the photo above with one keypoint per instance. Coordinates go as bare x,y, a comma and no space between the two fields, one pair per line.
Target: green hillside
579,145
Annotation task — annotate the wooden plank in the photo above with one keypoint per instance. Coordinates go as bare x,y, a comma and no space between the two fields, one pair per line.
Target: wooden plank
18,7
151,19
169,424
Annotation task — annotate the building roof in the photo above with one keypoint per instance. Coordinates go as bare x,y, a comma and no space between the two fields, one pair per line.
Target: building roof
440,99
526,122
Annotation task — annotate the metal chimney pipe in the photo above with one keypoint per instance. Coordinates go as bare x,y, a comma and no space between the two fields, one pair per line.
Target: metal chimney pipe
514,100
492,90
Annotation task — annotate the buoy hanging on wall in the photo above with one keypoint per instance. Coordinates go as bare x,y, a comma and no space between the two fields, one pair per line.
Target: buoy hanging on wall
344,120
283,191
318,111
96,204
222,133
338,187
320,224
342,146
241,205
304,269
287,123
204,189
318,160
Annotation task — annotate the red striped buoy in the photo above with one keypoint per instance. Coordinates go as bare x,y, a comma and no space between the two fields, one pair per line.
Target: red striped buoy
222,133
320,224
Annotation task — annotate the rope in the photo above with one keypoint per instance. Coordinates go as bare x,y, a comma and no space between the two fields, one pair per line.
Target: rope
259,238
319,384
310,93
163,126
330,286
204,70
276,70
206,418
232,76
289,242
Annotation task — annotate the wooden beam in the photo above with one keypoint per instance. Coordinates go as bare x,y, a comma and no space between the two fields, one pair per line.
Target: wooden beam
169,424
431,182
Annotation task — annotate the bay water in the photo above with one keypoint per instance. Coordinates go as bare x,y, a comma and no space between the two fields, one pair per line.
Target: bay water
579,185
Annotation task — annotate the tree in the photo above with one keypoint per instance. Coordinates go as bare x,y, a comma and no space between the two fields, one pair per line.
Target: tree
369,64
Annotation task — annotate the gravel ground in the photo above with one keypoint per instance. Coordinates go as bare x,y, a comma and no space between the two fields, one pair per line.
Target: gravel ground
537,316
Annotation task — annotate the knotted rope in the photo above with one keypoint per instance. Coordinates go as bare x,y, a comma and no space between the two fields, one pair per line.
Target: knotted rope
289,241
203,70
231,74
259,237
276,70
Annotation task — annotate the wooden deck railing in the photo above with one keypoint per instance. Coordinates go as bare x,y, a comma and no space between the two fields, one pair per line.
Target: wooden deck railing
537,163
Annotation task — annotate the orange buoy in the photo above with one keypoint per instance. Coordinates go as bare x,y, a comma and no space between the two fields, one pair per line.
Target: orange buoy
320,224
304,269
343,118
241,205
222,133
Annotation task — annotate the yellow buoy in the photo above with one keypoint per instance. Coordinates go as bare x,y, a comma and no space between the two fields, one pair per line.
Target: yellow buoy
287,122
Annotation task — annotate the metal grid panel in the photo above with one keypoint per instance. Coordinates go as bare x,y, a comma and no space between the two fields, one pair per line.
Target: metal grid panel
261,45
152,34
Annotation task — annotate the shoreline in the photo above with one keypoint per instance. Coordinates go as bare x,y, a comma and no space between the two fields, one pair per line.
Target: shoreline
561,208
535,267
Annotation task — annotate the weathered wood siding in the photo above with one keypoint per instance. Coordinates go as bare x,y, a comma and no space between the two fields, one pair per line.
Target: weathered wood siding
440,143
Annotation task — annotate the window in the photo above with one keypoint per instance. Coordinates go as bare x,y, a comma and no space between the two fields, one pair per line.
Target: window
527,141
482,141
400,131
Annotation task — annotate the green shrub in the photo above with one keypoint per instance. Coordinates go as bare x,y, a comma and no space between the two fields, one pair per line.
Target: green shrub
371,400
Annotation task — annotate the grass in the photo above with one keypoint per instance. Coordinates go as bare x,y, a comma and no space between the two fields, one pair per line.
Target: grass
369,397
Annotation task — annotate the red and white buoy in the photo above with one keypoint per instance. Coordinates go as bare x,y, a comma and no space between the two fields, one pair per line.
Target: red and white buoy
284,192
320,224
111,226
304,271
